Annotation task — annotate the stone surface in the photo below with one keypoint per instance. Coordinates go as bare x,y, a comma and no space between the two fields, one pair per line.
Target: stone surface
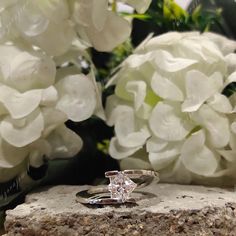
166,210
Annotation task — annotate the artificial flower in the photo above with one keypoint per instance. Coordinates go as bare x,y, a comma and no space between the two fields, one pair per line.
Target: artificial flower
34,105
168,104
54,25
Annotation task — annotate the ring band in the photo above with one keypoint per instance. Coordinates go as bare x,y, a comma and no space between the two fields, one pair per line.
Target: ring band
122,184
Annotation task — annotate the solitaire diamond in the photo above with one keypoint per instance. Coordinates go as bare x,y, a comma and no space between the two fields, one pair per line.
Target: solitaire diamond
121,186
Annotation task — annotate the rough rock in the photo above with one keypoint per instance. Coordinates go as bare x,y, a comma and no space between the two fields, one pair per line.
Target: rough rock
166,209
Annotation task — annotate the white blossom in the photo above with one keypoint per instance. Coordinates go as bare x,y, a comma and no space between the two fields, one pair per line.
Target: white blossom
54,25
181,122
34,104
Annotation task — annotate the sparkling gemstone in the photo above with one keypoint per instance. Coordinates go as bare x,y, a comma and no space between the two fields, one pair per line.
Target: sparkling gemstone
121,186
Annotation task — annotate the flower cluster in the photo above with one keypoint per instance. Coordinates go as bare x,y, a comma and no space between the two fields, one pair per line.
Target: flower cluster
169,111
53,25
41,84
35,103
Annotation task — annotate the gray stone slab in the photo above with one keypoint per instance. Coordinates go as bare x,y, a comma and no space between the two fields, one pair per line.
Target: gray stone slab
168,209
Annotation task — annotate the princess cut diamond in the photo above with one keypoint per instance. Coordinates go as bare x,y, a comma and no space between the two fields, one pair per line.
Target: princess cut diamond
121,186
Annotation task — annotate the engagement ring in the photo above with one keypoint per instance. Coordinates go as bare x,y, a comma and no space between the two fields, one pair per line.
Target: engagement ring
122,184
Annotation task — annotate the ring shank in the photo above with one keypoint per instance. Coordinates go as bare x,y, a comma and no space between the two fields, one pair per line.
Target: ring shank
98,196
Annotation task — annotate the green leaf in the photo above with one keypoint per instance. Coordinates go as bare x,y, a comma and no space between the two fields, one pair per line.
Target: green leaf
172,10
138,16
196,13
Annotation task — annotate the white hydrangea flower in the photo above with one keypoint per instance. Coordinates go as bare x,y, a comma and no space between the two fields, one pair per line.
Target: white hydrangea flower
54,25
34,104
45,24
101,27
140,6
168,105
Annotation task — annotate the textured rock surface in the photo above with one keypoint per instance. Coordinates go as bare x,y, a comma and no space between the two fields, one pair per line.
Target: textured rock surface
169,210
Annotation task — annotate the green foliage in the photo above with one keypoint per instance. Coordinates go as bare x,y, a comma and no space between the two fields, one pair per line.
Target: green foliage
103,146
173,11
167,15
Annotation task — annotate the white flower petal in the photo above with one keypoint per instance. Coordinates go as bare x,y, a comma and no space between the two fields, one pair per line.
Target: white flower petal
197,157
49,96
52,119
18,104
198,89
31,21
99,13
216,80
165,88
136,60
166,62
233,127
118,152
64,142
73,94
114,108
154,43
199,48
65,71
231,62
115,31
225,45
144,111
161,59
56,39
129,76
23,134
140,6
55,10
11,156
31,70
220,103
155,144
162,159
81,10
217,125
138,91
168,123
176,173
131,132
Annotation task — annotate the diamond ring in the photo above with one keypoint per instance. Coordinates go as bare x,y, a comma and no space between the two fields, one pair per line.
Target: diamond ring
122,184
